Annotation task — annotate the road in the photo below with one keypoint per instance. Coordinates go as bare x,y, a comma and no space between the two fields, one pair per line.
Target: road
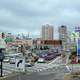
37,76
38,67
8,68
40,71
73,67
51,71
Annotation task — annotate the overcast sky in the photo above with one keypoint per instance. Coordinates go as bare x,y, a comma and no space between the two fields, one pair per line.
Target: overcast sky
29,15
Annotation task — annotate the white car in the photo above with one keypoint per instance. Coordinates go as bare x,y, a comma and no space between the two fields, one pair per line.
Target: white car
68,50
41,60
6,59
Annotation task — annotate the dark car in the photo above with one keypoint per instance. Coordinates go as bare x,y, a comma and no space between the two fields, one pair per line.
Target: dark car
54,50
50,56
43,54
47,55
28,64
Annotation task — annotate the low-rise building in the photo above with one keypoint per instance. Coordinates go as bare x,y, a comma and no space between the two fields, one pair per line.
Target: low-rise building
49,43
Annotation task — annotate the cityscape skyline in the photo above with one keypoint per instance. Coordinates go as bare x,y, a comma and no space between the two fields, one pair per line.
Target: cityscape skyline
39,39
29,34
23,16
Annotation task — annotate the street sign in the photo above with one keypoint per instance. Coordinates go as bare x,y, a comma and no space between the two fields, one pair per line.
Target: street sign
20,64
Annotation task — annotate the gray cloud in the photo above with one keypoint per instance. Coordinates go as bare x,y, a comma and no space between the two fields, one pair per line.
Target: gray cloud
29,15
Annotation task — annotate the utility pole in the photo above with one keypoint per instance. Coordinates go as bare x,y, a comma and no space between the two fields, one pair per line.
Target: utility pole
1,60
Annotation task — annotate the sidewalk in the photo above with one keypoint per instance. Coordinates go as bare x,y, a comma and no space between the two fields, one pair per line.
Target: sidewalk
72,76
13,76
67,77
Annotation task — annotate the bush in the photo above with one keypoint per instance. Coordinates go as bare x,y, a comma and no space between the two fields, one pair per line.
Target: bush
73,54
78,61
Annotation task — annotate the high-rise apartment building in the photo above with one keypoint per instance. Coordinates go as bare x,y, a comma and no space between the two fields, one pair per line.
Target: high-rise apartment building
63,36
62,32
47,32
77,31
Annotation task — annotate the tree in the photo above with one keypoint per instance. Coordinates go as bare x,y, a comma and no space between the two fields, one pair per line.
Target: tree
8,40
41,48
73,55
46,47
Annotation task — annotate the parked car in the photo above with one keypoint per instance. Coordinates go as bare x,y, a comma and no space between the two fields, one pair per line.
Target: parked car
28,64
55,50
41,60
6,59
50,57
12,60
43,54
68,50
58,54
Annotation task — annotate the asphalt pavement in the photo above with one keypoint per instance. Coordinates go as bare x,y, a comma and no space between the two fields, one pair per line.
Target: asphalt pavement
37,76
40,71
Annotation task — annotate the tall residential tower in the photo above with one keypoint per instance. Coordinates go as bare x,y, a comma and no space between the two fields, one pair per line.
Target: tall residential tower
47,32
62,32
63,37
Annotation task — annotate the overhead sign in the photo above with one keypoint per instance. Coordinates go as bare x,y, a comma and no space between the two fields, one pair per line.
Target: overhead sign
77,29
20,64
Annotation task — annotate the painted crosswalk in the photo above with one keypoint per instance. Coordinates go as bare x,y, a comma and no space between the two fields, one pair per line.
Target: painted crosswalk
53,66
6,72
48,68
8,69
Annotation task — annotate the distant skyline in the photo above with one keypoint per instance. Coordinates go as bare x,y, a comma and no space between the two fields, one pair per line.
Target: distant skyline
29,15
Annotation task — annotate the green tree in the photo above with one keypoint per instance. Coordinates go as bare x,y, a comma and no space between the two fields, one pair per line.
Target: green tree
9,40
73,54
46,47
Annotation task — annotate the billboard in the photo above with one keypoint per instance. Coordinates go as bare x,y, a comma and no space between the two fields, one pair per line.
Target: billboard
78,46
20,64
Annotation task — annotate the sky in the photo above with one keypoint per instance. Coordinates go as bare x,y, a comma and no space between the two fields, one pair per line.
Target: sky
27,16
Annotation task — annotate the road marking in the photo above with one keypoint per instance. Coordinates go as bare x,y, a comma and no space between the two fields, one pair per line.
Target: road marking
68,68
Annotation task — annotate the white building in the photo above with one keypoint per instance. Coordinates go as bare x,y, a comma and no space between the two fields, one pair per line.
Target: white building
47,32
